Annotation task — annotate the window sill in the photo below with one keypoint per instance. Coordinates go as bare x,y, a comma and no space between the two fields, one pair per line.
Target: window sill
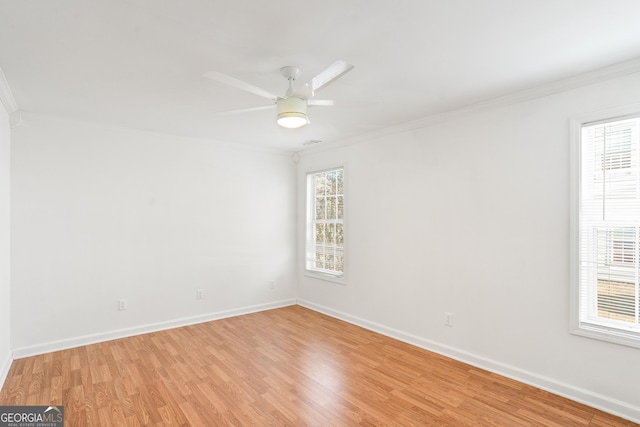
611,335
325,276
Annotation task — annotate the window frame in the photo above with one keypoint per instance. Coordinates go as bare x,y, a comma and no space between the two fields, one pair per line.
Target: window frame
602,332
309,230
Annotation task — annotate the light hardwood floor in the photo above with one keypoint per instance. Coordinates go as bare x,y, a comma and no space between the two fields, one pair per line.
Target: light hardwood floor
284,367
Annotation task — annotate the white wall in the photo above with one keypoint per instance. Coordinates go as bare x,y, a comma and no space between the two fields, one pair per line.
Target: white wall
102,214
471,216
5,289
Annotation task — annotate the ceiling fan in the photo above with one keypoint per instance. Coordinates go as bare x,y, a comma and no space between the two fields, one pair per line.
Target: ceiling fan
292,107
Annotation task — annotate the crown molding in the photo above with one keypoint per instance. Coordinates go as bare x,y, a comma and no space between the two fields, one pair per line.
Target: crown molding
22,117
6,96
581,80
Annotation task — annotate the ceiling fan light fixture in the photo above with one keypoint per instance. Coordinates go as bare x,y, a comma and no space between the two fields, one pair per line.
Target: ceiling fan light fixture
292,112
292,108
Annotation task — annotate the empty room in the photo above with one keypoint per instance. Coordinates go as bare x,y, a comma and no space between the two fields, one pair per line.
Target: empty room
338,213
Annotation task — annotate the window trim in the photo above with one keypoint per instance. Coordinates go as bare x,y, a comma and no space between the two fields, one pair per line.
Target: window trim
309,196
599,332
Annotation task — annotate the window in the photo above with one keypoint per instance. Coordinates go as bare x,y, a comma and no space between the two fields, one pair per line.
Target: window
325,223
606,241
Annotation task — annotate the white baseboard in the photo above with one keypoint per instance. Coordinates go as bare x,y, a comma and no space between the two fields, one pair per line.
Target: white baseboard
5,365
48,347
587,397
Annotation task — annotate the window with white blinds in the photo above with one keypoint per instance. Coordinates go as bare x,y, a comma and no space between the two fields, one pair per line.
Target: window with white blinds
325,222
608,236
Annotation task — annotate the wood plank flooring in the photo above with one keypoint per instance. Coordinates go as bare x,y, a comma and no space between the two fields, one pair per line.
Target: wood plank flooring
284,367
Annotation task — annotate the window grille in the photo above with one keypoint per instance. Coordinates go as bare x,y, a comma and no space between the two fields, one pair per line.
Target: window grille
325,222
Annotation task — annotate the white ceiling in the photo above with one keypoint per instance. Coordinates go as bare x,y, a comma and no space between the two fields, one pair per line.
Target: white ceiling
139,63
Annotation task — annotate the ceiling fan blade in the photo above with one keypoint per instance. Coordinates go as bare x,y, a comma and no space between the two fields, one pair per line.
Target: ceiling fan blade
239,84
325,77
320,102
245,110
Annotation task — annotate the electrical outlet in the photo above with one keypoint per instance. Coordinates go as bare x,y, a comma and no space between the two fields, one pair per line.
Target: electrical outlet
199,293
272,285
448,319
122,304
